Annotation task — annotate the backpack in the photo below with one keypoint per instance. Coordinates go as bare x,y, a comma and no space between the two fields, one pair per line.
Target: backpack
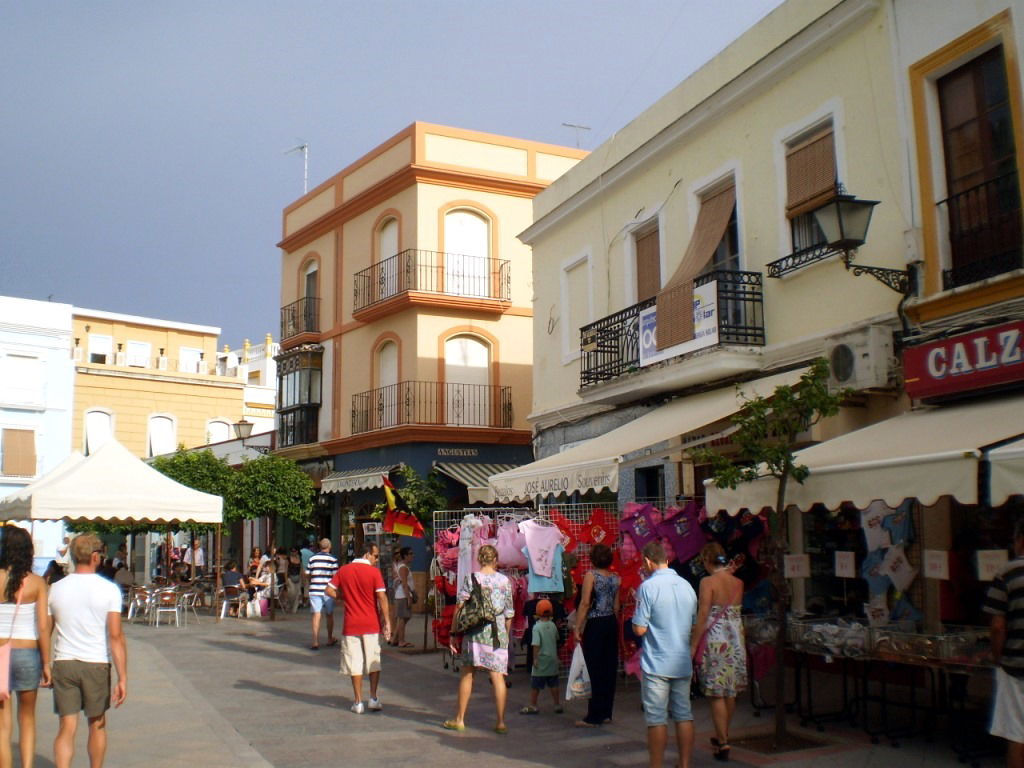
476,613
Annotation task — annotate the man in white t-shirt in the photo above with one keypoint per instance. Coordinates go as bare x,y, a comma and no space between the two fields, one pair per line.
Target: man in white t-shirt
86,613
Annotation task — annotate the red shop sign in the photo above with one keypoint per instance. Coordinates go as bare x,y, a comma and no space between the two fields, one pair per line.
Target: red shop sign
976,360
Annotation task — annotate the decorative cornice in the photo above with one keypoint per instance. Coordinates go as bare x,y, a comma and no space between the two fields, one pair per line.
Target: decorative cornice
118,373
427,434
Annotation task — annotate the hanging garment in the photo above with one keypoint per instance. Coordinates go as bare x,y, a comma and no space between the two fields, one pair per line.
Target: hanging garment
468,548
541,542
639,525
682,530
510,545
548,584
598,530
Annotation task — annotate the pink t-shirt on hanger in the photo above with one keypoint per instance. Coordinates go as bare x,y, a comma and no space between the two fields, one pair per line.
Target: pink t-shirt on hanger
541,541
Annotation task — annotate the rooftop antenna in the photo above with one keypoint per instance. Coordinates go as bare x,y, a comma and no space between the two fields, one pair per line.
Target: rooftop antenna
577,128
304,149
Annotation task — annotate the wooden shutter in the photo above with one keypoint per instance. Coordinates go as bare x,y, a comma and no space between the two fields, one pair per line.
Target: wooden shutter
810,173
675,300
648,266
19,449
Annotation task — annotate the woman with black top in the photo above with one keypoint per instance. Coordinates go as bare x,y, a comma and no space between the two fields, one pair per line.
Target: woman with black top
597,627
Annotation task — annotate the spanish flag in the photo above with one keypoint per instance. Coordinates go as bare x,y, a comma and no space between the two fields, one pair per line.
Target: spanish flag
399,519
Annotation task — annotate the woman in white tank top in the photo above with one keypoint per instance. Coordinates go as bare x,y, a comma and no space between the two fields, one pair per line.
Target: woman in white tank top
23,618
402,586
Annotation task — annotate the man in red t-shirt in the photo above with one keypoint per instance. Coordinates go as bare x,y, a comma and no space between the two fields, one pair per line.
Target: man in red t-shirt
360,586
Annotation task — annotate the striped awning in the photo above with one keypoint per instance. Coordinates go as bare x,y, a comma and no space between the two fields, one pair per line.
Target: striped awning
473,476
347,480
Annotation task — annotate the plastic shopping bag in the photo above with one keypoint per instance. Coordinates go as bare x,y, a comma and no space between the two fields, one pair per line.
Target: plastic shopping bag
579,678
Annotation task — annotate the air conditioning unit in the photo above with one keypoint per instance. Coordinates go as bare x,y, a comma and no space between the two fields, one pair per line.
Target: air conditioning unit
861,359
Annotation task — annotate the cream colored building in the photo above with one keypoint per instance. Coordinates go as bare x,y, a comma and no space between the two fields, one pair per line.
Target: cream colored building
151,384
406,327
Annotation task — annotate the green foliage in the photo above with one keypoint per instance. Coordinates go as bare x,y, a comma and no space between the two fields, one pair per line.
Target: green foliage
270,486
423,495
201,471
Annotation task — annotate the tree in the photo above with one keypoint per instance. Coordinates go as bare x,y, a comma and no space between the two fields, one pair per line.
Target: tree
766,435
271,487
201,471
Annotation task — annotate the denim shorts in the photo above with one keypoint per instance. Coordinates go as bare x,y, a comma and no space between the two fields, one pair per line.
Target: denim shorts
26,669
665,697
540,682
321,604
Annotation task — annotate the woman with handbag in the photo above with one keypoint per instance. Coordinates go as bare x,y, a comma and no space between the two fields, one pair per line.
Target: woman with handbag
25,658
597,628
719,651
484,646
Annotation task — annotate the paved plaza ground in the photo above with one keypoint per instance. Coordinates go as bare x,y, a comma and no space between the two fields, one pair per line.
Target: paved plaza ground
250,693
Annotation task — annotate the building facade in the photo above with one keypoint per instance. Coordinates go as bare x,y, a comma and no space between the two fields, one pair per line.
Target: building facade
406,314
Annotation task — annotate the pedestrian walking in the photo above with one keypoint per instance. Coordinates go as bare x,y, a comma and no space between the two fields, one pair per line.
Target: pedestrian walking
402,585
544,673
665,607
360,587
321,569
86,611
23,619
1005,603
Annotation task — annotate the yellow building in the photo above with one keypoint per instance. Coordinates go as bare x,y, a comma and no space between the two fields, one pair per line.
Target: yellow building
151,384
406,310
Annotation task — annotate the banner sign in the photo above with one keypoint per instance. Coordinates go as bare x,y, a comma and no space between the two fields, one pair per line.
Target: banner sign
984,358
510,486
705,327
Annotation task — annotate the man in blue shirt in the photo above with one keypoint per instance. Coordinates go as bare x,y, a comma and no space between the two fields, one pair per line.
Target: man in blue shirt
665,608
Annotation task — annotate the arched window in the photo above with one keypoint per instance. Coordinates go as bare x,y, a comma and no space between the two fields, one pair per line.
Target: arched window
387,384
467,366
217,431
311,286
162,435
387,240
99,429
467,244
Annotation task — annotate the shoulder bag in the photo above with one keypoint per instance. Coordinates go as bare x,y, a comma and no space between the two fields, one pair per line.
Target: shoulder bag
5,653
476,613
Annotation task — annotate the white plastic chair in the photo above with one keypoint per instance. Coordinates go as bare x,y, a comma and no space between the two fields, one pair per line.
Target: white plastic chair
229,596
189,603
165,601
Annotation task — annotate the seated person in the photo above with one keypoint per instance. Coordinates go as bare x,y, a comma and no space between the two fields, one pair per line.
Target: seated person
123,577
232,577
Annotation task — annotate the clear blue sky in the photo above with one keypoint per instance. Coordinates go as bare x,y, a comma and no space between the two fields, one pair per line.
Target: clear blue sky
142,143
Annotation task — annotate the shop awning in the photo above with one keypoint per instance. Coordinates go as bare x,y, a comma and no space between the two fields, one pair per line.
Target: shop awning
923,454
1006,467
347,480
473,476
594,465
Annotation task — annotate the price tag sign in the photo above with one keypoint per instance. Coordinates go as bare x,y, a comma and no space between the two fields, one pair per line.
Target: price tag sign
991,562
797,566
936,564
372,529
846,565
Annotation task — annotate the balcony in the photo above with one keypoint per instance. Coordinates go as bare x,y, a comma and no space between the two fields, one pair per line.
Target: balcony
610,347
432,403
984,231
454,275
302,316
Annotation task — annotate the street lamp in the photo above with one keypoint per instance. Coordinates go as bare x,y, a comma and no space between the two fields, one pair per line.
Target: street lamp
243,430
844,222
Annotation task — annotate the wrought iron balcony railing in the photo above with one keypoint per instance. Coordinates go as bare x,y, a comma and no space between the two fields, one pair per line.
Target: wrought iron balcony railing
984,231
432,403
610,346
451,274
302,316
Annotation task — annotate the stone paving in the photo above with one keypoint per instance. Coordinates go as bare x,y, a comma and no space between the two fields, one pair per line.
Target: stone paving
250,693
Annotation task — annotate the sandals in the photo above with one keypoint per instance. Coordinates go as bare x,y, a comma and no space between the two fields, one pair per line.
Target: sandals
501,730
559,709
451,725
529,711
332,642
584,724
720,750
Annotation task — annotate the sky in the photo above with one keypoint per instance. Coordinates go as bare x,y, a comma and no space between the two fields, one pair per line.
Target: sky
143,145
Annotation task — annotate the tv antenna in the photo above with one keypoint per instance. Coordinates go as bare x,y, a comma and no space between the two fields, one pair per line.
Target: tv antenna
304,149
577,128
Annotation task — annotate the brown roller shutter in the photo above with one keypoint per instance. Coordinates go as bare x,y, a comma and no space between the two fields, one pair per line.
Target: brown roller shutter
675,300
19,448
810,173
648,265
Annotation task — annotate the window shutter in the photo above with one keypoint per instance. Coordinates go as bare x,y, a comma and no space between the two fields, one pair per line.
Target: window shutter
810,173
19,449
675,300
648,265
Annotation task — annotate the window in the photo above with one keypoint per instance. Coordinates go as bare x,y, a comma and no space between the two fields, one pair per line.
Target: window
467,248
190,360
218,431
299,394
138,354
387,240
648,264
98,430
576,308
101,349
22,379
18,452
727,255
983,202
387,378
810,183
675,300
467,375
162,435
311,281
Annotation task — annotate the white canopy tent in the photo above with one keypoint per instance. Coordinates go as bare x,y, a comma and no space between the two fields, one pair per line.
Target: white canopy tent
112,485
1007,472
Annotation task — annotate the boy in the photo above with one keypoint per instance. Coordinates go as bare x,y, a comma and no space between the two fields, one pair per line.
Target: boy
544,673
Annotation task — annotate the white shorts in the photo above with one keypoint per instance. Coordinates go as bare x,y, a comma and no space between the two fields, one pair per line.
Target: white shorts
360,654
1008,710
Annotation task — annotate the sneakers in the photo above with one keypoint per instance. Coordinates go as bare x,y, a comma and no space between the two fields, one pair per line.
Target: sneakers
375,706
359,707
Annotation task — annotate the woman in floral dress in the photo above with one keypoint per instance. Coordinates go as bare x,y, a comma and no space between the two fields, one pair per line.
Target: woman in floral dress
718,642
478,649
